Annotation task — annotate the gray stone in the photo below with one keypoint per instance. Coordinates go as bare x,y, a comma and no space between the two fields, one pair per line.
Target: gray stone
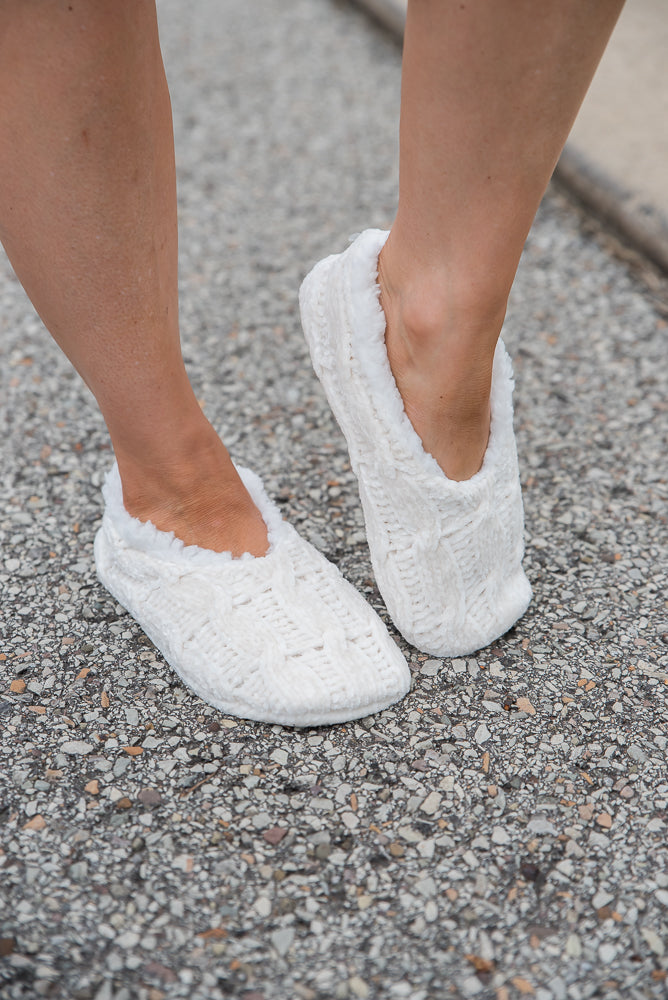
653,941
77,747
286,120
281,940
500,835
541,825
431,804
482,733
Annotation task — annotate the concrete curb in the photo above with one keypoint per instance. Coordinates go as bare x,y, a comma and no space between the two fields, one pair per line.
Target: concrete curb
390,13
640,224
643,227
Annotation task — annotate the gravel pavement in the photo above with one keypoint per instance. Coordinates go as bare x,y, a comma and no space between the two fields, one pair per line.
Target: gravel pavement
502,833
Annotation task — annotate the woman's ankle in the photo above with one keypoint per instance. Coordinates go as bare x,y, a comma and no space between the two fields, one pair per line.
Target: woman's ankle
195,492
441,336
448,313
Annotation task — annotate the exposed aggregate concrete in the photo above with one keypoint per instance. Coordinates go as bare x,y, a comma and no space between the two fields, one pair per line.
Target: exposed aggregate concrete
502,832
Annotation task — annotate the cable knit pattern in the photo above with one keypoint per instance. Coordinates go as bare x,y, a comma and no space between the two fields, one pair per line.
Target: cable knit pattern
281,638
447,555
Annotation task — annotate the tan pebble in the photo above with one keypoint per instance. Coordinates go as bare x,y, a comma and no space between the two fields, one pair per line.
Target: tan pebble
522,985
104,700
492,791
37,709
92,787
358,987
524,705
213,933
604,819
586,811
133,751
396,850
479,963
123,803
36,823
17,686
452,894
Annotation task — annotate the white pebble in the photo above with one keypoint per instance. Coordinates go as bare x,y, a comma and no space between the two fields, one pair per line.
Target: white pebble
607,953
653,940
602,898
500,836
282,939
431,803
482,733
76,746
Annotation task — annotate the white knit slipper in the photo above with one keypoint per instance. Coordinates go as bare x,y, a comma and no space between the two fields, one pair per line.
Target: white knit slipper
281,638
447,555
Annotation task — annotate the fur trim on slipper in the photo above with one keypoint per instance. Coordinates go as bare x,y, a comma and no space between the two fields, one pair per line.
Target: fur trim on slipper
281,638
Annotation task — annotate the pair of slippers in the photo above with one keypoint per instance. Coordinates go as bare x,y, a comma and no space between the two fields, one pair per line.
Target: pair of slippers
283,638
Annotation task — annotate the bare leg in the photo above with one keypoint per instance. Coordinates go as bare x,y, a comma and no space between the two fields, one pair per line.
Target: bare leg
490,90
88,219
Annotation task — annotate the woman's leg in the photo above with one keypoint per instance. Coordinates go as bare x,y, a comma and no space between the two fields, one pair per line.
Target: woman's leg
490,89
88,219
489,93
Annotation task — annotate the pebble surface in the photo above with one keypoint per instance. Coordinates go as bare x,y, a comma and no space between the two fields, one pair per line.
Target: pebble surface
502,833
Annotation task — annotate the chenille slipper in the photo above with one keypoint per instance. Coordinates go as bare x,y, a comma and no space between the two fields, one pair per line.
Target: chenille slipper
447,555
280,638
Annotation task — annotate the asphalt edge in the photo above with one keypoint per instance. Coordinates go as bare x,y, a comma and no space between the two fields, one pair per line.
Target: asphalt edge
640,225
